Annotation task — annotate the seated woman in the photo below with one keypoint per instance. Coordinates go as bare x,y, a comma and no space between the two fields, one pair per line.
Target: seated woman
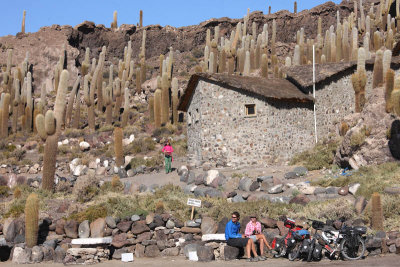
253,231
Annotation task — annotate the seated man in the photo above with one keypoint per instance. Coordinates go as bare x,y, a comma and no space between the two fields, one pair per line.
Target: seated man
235,239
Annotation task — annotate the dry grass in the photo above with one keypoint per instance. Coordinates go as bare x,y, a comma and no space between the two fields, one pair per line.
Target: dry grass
320,156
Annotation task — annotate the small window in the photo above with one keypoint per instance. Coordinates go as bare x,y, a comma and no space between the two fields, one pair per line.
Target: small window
250,109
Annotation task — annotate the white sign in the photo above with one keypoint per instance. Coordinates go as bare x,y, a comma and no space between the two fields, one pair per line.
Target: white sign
127,257
194,202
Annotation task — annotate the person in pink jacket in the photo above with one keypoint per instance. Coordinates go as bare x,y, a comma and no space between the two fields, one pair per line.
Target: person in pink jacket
167,150
253,231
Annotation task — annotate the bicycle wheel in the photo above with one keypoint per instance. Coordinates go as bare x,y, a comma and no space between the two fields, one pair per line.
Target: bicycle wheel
352,252
311,251
295,252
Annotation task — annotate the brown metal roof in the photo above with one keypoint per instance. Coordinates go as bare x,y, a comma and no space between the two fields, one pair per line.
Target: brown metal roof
279,89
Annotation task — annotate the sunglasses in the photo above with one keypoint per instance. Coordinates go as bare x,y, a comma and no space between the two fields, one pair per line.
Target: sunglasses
234,217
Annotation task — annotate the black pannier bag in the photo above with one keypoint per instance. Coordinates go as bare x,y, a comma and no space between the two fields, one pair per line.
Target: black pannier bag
317,253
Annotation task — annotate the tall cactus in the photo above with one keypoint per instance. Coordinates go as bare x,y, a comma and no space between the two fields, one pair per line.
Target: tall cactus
5,114
395,97
23,22
31,220
377,212
389,85
71,99
86,63
295,7
53,130
125,115
77,111
118,150
151,108
157,105
118,96
141,19
164,98
378,70
107,93
16,103
175,100
114,24
359,81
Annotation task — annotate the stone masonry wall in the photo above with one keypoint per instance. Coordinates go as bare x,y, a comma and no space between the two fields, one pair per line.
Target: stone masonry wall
278,131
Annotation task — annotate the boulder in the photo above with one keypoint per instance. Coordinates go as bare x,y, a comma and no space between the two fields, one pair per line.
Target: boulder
395,190
332,190
222,225
110,221
71,229
191,230
276,189
238,198
343,191
170,252
191,178
300,171
300,199
21,255
98,227
117,255
268,222
199,180
139,251
124,226
48,253
230,253
84,229
139,227
290,175
205,253
269,178
200,191
210,176
192,223
353,188
152,251
9,229
188,189
59,254
135,218
119,240
360,204
208,226
248,185
84,146
182,169
213,193
282,229
37,254
145,236
170,224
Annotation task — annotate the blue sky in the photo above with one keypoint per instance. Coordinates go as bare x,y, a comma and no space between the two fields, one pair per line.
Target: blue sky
173,12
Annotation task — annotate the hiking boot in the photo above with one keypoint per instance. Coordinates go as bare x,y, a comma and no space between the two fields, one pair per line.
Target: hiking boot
262,258
252,259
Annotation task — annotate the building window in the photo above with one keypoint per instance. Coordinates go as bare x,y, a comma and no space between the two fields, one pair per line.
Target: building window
250,109
189,118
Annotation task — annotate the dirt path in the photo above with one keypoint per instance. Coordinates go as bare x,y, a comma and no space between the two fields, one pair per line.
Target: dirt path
391,260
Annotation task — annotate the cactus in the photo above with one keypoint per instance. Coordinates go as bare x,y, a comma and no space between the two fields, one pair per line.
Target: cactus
395,97
246,71
378,70
211,63
114,24
23,22
214,62
344,128
295,7
17,193
107,93
157,107
119,153
99,81
71,99
53,130
116,182
40,126
273,40
86,63
138,81
222,61
377,41
377,212
387,58
151,108
269,10
231,63
175,100
16,101
359,80
165,99
296,56
31,220
389,85
125,114
5,114
118,96
141,18
77,111
264,66
142,71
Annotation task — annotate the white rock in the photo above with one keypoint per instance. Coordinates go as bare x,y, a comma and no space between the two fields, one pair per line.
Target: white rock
353,164
65,142
59,144
80,170
92,165
3,242
105,163
129,140
20,256
128,160
84,146
81,251
75,162
213,237
211,175
98,161
307,190
127,257
92,241
353,188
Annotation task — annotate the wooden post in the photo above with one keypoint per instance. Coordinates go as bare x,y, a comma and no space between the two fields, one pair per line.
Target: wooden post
191,216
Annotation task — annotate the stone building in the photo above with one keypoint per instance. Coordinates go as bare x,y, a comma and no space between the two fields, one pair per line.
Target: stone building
236,120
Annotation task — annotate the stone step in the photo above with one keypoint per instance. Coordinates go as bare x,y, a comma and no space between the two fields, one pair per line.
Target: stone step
92,241
213,237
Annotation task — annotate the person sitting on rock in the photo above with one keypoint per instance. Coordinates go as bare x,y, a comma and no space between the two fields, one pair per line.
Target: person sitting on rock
234,239
253,231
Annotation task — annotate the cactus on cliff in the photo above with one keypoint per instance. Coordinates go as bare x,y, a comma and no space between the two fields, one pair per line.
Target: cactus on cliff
23,22
141,18
377,212
175,100
125,114
378,70
31,220
5,114
389,85
114,24
164,98
53,130
118,150
71,99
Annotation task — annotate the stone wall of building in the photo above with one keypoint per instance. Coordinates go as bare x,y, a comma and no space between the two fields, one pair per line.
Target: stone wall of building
223,133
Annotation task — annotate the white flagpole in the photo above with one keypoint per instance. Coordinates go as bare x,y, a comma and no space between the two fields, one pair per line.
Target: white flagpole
315,115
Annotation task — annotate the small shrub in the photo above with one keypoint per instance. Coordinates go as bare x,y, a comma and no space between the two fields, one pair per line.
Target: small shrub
17,193
4,191
159,207
91,214
357,139
106,128
17,208
64,187
141,145
86,188
197,53
320,156
73,133
116,183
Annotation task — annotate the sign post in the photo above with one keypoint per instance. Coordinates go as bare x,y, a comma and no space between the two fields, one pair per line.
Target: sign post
194,203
